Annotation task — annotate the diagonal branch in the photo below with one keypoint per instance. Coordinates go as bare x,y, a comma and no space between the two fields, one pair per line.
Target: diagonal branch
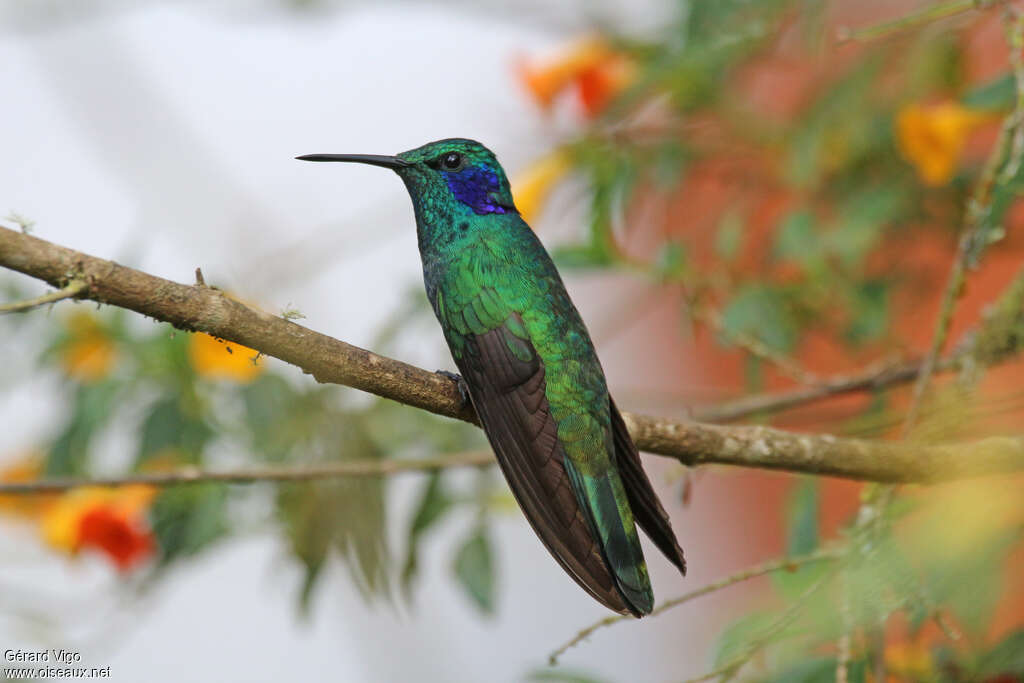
782,564
72,289
329,360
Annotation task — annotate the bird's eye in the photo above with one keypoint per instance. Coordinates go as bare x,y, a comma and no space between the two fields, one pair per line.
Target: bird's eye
452,161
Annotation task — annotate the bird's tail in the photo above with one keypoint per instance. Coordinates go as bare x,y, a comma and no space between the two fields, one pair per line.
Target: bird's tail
603,500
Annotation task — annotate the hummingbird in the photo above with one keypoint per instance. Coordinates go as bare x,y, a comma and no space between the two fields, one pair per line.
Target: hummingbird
529,367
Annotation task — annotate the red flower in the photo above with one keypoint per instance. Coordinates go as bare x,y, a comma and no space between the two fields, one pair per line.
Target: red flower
124,542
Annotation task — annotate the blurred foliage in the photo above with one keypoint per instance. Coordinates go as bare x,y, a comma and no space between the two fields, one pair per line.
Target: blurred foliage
189,400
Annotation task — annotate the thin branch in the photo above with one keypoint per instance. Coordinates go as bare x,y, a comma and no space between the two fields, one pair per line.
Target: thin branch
71,290
785,563
194,475
1006,154
941,10
756,347
873,378
332,361
757,644
998,338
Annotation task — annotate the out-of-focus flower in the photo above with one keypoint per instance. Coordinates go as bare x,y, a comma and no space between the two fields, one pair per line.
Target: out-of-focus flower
110,520
600,85
909,661
531,188
932,137
90,353
906,662
26,468
217,359
591,64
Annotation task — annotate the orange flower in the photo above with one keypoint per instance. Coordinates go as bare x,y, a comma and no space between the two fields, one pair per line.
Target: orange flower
603,83
90,353
531,188
110,520
932,138
591,64
27,468
217,359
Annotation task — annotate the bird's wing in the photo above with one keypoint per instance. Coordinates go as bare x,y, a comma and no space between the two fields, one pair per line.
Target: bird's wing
647,509
506,379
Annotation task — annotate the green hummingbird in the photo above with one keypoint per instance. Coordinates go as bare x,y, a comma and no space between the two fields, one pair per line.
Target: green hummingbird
530,369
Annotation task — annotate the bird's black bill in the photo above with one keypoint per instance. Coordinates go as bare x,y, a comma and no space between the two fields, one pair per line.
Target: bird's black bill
394,163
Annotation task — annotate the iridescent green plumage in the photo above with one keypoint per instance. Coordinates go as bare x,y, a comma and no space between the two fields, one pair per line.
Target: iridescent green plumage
532,372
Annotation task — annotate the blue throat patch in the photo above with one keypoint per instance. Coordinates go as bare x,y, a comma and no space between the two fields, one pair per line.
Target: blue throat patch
473,186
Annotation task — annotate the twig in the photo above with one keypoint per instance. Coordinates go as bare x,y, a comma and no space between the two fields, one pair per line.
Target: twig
756,347
973,239
996,339
71,290
194,475
785,563
941,10
332,361
844,644
873,378
757,644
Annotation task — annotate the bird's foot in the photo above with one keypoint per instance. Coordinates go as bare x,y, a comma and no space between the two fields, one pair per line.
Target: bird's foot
460,383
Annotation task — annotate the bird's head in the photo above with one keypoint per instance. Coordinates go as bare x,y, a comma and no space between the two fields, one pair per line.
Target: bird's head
454,173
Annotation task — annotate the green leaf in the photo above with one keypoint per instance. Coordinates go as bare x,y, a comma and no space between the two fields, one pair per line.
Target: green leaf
92,407
168,427
187,519
863,217
869,311
310,530
474,569
737,636
346,516
581,256
997,94
796,239
729,236
1006,657
763,313
803,536
434,503
802,517
818,670
672,261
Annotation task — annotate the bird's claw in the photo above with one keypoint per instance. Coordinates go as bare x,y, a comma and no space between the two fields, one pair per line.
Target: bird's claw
460,382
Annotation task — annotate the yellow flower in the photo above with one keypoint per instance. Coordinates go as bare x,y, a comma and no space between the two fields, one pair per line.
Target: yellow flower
89,353
910,661
932,138
217,359
906,662
531,188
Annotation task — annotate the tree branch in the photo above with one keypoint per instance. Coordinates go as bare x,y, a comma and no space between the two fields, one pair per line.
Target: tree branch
869,379
194,475
329,360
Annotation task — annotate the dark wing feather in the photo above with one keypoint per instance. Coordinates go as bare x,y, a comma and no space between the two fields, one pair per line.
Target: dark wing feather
509,396
647,509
